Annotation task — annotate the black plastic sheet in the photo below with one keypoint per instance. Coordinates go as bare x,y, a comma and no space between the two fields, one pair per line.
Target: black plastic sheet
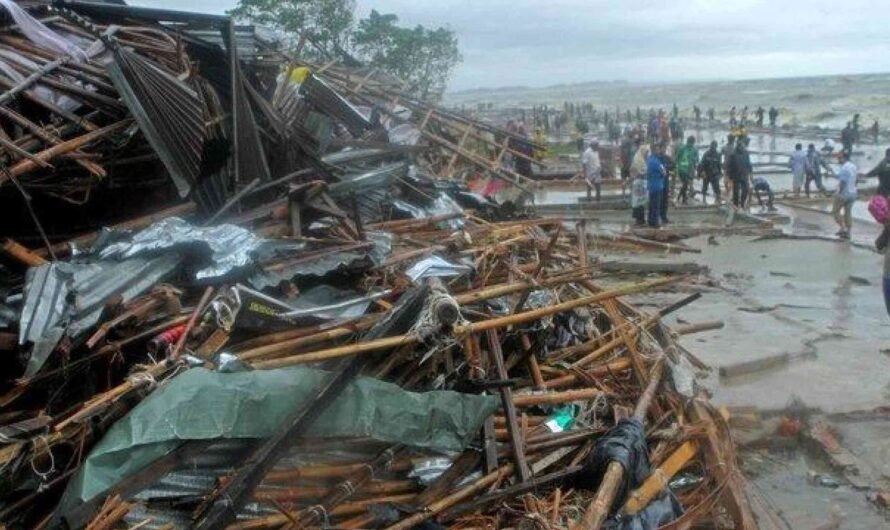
625,443
659,512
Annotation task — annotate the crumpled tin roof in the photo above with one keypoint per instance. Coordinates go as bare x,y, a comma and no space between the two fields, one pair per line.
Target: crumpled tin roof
231,246
66,298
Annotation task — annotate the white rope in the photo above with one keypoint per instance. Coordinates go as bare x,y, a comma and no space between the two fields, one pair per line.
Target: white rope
139,379
43,475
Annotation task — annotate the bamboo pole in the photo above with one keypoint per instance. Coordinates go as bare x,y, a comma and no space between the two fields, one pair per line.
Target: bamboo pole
102,400
25,83
460,331
535,314
450,500
67,146
658,480
278,347
555,398
50,138
22,254
13,148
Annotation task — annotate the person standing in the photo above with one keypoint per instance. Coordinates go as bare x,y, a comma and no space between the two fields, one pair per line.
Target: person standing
882,172
697,112
814,170
665,154
875,131
773,116
687,162
709,168
627,150
744,120
652,130
675,129
739,173
656,178
593,174
639,191
732,122
664,128
759,114
711,114
845,196
798,165
847,138
728,151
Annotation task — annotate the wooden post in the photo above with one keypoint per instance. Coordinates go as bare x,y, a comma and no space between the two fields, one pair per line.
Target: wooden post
582,242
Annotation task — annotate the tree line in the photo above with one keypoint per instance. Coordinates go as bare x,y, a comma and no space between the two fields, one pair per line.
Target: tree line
422,57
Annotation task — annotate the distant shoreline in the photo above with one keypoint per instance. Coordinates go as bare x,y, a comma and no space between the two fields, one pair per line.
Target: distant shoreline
603,83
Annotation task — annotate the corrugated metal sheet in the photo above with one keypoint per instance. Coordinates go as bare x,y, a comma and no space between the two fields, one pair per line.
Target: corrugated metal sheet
329,102
371,189
169,113
64,298
230,246
328,263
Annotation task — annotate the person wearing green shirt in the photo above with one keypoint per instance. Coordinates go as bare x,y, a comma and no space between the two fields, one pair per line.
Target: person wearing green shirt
687,162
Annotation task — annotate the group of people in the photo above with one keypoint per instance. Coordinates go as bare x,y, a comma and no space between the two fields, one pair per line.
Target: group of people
742,119
852,133
654,168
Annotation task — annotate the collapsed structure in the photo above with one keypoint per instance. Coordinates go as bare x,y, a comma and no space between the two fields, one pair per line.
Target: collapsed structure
246,291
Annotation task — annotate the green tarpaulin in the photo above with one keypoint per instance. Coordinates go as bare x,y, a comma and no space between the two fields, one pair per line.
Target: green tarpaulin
205,405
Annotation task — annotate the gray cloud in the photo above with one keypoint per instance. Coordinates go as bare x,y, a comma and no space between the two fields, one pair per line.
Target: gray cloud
539,43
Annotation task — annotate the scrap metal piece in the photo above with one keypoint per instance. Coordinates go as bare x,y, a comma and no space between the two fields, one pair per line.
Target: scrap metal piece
230,246
66,299
323,97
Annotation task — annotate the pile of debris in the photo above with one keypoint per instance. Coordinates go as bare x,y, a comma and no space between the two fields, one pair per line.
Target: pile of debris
322,326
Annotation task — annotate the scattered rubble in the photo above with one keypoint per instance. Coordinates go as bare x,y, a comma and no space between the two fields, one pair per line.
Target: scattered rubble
253,292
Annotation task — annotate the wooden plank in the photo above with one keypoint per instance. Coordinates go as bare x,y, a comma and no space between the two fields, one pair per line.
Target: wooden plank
516,441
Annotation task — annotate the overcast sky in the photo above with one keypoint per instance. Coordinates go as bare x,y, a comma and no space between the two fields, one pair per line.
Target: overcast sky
540,43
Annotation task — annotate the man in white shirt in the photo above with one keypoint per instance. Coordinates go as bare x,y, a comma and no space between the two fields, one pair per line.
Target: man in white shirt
590,162
845,195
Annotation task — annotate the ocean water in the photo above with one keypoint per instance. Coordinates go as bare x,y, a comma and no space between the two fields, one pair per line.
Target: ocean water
828,101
